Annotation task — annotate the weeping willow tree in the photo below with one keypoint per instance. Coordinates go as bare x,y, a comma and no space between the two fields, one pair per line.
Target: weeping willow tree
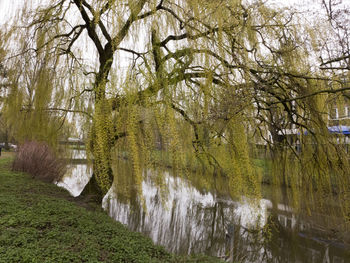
292,99
34,92
5,127
193,80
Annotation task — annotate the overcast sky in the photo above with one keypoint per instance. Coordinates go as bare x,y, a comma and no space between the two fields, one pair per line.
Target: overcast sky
8,7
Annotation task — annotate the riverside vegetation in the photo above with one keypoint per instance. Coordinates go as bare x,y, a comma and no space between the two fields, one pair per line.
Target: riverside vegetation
40,222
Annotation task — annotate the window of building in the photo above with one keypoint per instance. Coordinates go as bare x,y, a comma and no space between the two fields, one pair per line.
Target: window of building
347,111
334,114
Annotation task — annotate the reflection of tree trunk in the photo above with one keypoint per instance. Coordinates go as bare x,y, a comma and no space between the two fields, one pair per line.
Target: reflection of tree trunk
213,225
326,256
7,146
230,234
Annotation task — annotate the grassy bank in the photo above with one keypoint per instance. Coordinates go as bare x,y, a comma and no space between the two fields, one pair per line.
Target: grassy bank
41,222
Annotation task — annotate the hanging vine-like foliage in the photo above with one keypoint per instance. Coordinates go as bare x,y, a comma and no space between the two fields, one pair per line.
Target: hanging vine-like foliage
193,85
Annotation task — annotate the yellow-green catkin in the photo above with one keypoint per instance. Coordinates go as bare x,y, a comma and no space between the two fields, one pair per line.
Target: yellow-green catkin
101,136
134,148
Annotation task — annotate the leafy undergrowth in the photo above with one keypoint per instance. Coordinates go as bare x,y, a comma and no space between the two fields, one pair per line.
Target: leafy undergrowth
40,222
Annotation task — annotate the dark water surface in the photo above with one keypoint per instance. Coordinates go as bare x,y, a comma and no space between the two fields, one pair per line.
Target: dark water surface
186,217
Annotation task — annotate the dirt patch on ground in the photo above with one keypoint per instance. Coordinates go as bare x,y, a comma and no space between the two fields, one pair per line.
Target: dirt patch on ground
89,202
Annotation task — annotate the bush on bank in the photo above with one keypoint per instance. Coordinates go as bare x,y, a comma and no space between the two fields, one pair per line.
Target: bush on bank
38,160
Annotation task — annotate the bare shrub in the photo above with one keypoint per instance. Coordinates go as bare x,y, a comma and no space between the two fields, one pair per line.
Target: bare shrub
37,159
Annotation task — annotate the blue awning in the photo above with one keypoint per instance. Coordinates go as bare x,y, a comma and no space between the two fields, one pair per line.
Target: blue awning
342,129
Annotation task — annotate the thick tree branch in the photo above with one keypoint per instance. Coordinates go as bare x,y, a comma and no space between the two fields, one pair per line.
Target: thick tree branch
135,10
191,37
335,60
90,25
72,111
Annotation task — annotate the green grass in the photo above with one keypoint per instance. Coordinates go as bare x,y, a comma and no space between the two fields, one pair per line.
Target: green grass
41,222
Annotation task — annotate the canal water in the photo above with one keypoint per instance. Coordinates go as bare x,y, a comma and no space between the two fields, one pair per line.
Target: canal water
186,217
